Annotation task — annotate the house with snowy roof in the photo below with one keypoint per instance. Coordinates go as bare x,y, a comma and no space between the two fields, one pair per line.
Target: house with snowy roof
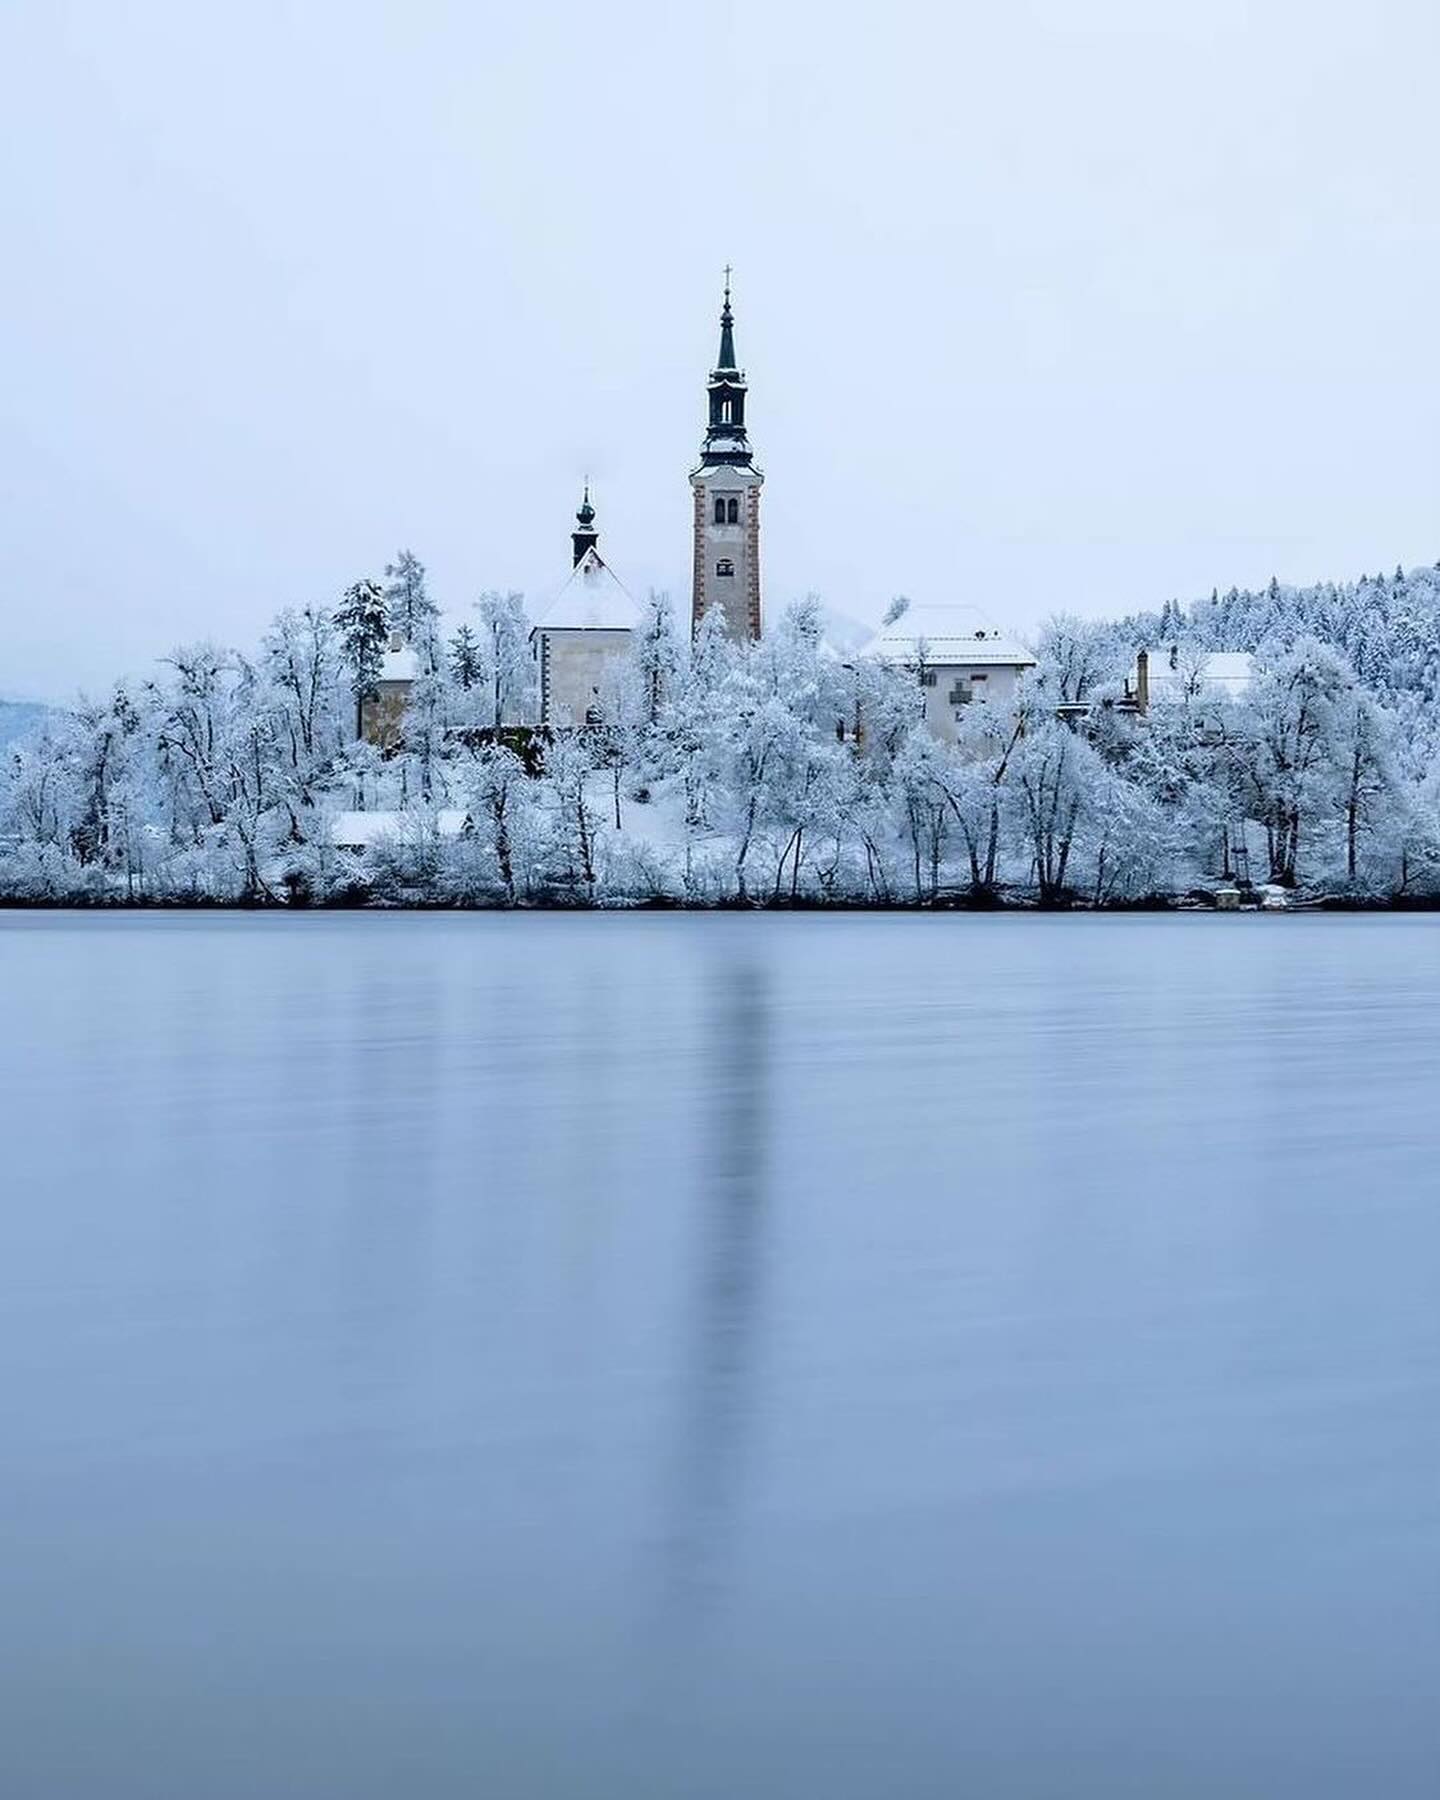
1184,672
956,655
382,715
585,630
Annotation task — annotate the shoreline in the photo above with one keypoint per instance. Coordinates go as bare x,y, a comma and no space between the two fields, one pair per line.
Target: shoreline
1182,904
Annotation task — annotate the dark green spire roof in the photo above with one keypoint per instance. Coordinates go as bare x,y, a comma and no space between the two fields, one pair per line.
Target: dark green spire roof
725,439
727,330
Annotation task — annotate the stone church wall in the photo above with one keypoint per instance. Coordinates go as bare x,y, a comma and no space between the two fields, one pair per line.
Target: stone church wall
573,669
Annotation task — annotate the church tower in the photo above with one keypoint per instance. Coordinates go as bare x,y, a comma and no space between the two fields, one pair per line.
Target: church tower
727,500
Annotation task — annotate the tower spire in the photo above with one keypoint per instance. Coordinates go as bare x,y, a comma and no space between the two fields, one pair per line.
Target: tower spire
725,439
727,330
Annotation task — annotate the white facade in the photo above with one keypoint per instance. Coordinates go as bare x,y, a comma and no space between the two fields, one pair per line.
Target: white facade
956,656
589,626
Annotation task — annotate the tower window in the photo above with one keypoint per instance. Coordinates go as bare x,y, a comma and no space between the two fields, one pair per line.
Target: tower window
719,509
724,566
732,512
726,411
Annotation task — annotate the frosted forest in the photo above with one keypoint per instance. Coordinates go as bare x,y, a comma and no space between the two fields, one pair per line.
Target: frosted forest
781,772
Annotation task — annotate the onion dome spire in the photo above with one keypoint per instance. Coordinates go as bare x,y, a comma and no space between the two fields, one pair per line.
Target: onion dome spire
585,537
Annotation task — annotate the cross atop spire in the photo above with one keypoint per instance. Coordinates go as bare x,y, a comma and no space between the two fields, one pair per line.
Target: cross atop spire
727,329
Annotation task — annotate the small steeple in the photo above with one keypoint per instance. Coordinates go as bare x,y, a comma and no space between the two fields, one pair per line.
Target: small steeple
585,537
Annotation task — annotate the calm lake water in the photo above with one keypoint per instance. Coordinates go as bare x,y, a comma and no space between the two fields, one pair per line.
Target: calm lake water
649,1356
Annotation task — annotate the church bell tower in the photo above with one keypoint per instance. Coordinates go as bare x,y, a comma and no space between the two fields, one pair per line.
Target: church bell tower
727,499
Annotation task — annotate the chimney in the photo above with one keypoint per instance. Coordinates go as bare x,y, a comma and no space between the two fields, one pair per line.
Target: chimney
1142,681
397,641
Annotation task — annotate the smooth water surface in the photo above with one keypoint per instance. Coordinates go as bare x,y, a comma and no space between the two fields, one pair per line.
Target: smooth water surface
753,1356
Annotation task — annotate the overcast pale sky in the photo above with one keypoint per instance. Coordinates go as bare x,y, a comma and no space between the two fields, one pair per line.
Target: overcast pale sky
1075,303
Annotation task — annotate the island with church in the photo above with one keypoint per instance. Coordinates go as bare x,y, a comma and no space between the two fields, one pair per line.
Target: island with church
1266,748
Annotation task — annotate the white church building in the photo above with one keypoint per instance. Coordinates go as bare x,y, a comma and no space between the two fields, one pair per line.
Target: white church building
585,629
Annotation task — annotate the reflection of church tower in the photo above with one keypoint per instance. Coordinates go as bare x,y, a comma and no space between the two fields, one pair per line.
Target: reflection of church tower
727,500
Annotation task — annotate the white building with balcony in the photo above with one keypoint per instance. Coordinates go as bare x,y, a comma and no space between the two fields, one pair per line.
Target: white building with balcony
956,655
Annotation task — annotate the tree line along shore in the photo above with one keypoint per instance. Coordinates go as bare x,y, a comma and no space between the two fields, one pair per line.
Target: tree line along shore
779,772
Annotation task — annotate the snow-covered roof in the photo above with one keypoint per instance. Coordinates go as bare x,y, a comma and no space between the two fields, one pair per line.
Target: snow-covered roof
954,636
399,664
843,635
1174,667
592,599
359,830
732,474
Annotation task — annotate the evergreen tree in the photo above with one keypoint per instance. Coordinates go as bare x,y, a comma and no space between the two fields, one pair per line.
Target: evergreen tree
409,608
467,663
364,631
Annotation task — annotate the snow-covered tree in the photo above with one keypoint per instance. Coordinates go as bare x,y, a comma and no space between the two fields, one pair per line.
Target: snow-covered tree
1292,725
1058,787
428,715
467,661
300,660
364,629
505,657
408,606
925,807
658,656
503,804
1370,798
568,766
1076,657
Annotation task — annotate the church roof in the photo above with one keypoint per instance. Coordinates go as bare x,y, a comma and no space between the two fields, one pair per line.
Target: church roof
399,663
592,599
953,634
